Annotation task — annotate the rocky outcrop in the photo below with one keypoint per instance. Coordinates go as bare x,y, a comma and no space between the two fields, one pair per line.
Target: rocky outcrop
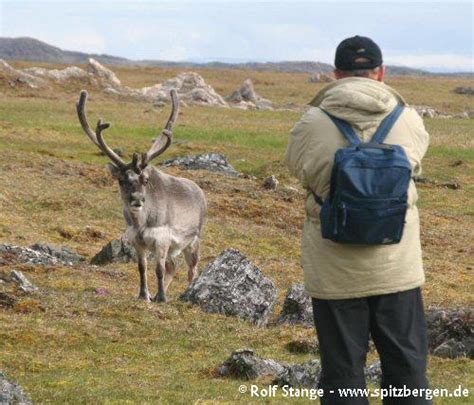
62,75
245,364
64,254
17,77
233,286
214,162
11,393
246,97
451,332
297,308
38,254
105,75
191,89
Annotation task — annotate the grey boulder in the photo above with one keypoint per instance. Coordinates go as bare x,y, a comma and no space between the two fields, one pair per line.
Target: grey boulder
297,308
116,251
11,393
232,285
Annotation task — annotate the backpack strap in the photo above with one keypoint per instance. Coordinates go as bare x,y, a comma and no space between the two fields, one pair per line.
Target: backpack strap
345,128
386,125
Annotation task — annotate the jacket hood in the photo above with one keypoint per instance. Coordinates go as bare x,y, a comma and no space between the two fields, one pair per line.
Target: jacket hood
360,101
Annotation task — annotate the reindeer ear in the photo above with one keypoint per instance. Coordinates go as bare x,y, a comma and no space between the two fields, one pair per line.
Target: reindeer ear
114,170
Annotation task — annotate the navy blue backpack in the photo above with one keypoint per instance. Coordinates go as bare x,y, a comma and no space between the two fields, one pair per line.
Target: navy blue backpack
367,201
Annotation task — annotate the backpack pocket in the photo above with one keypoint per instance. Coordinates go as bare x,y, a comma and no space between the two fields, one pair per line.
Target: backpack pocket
370,226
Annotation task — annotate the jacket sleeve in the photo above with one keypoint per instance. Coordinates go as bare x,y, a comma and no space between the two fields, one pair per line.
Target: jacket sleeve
310,152
419,140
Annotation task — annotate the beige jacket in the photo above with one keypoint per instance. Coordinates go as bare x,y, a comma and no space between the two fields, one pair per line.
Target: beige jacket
333,270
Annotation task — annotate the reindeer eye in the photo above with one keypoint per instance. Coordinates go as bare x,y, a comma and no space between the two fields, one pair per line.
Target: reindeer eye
144,180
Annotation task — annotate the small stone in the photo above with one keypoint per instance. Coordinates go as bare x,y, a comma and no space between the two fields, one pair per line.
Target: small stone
373,372
7,301
102,291
243,363
23,283
302,346
271,183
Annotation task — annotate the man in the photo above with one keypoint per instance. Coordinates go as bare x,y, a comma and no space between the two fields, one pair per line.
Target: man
359,289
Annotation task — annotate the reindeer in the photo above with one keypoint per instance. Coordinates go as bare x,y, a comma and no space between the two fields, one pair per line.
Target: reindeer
164,214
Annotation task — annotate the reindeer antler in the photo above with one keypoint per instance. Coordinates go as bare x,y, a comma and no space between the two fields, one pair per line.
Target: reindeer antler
167,132
155,150
96,137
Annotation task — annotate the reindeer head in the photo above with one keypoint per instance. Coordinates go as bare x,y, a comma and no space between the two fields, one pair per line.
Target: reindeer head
132,177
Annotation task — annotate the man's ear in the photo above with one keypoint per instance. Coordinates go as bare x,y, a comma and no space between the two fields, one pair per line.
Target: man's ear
114,170
381,73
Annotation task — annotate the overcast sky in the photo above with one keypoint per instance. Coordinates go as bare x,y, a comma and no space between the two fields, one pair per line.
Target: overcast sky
424,34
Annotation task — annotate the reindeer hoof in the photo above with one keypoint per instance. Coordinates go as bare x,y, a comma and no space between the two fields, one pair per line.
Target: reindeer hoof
145,297
160,298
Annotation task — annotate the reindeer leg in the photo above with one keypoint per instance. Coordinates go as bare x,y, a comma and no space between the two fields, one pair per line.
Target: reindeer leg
160,275
142,266
170,270
191,256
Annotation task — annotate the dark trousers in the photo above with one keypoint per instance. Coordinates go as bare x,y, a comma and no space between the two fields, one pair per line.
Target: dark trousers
397,325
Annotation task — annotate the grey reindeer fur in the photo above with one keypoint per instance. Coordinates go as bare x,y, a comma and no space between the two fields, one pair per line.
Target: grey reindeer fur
164,214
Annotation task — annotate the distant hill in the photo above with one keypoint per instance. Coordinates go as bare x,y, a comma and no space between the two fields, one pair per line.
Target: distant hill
30,49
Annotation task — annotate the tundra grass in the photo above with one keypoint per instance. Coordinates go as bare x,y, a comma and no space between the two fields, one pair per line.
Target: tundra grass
68,344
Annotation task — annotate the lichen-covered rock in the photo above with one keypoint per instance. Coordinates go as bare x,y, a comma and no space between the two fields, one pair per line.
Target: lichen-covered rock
452,348
64,254
297,308
11,393
116,251
233,286
451,332
214,162
300,375
246,97
243,363
11,254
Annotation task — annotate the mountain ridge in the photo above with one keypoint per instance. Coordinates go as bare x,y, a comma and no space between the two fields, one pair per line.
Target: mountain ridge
34,50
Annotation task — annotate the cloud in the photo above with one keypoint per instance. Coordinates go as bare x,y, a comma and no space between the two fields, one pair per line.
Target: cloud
85,42
441,62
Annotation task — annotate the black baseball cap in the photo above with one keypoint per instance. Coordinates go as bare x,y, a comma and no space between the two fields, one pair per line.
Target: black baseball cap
351,49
